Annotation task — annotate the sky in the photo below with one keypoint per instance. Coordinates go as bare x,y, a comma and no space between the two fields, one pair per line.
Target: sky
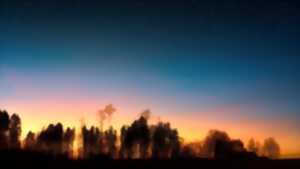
230,65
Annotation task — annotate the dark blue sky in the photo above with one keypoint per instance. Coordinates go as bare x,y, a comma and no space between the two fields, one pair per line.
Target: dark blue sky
194,55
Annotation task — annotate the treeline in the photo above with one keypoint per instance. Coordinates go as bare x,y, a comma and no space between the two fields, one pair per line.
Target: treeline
217,144
136,141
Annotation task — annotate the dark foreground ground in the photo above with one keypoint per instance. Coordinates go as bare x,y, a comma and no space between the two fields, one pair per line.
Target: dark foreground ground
30,160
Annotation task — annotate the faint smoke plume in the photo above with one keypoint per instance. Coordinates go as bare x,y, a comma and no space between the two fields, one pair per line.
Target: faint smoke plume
106,113
146,114
110,110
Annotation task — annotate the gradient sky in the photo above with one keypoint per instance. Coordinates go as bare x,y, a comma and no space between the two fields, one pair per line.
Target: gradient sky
230,65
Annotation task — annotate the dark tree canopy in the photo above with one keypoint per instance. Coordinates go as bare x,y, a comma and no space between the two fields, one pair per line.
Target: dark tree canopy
68,140
166,141
15,131
137,138
111,141
4,120
211,140
50,139
91,141
4,126
30,141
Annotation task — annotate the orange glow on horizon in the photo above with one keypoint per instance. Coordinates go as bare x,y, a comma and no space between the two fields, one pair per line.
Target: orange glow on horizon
35,117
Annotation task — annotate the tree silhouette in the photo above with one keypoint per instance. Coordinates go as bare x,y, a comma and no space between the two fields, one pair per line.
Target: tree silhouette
229,149
191,150
111,139
4,127
210,141
165,141
137,138
175,143
68,139
91,141
271,148
253,146
123,153
15,131
51,139
30,142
